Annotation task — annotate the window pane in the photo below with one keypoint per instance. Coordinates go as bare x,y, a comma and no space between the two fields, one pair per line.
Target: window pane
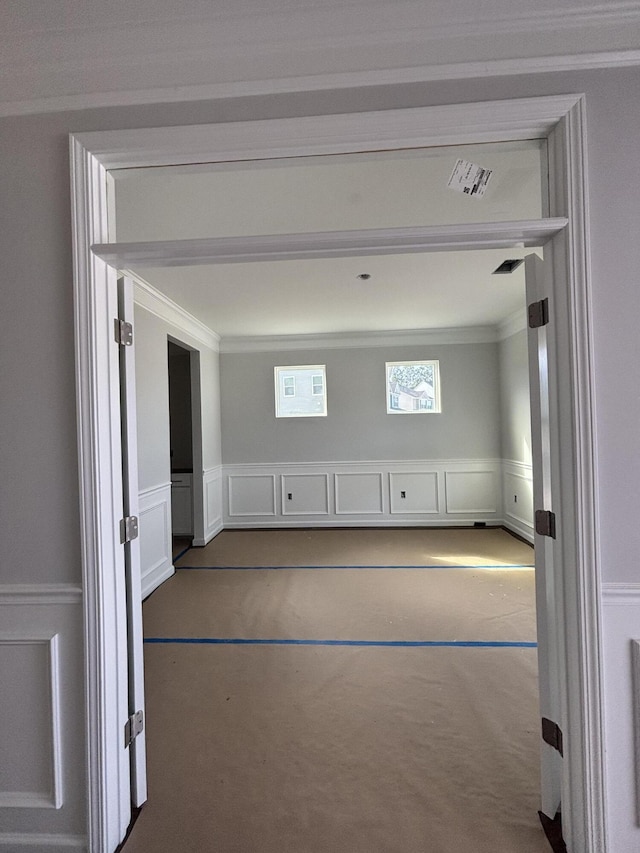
413,387
300,391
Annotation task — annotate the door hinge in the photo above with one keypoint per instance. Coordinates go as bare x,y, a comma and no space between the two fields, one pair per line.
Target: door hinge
133,727
128,528
546,523
552,734
538,314
123,332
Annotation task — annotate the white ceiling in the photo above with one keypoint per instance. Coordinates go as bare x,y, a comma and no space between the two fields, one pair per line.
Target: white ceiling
73,53
441,290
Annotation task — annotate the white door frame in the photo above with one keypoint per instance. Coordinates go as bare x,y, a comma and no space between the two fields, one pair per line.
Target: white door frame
558,119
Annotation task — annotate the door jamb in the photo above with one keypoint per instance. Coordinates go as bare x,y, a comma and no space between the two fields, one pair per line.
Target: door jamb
559,119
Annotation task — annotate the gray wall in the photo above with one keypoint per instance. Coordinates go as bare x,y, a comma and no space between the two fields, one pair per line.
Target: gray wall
515,408
39,450
152,394
39,519
357,426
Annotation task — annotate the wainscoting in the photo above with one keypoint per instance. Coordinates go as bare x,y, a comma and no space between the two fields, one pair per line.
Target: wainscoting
211,505
415,493
40,662
156,563
621,633
517,496
154,507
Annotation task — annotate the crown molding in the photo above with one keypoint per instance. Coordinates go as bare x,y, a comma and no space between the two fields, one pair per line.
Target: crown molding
149,298
516,322
247,51
320,82
361,340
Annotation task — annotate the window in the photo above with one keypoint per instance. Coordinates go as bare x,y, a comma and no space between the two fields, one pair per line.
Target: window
317,384
300,391
413,387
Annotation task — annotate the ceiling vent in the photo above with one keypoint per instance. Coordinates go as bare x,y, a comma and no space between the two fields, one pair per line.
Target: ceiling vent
508,266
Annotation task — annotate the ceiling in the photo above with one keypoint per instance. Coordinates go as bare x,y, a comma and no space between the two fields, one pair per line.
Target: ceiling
437,290
440,290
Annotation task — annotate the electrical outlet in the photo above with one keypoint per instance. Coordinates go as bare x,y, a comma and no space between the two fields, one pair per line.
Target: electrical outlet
403,494
289,495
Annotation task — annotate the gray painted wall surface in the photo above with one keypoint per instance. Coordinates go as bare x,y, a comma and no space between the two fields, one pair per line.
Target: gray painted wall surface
39,448
357,426
39,519
152,395
515,408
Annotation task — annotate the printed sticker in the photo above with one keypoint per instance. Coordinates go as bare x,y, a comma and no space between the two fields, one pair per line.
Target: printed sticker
469,178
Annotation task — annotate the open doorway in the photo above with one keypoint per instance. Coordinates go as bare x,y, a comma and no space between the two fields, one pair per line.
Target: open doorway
458,482
181,446
573,814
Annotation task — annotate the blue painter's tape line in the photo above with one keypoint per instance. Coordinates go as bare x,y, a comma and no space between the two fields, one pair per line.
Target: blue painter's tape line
180,555
234,641
285,568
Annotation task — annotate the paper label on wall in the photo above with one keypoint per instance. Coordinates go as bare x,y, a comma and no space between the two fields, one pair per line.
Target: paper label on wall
469,178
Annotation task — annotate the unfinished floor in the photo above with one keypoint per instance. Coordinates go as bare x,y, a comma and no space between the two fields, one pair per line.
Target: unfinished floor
343,691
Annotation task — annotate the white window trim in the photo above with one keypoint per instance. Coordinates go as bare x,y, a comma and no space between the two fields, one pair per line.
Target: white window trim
279,373
437,410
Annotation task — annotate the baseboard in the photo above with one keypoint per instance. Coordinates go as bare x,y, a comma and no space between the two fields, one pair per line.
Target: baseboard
520,528
29,842
363,522
211,534
152,580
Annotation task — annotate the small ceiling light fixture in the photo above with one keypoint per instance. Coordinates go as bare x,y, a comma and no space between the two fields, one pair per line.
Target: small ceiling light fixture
508,266
364,276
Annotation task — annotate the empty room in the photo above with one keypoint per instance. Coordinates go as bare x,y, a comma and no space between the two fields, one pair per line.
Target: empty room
334,452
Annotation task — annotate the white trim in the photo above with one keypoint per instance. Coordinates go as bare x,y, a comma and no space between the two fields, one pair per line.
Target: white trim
292,512
340,80
361,519
382,472
101,502
365,464
511,325
45,594
155,498
362,340
329,244
561,120
154,491
211,479
635,686
584,792
512,520
232,142
35,842
36,799
151,299
621,594
232,513
337,475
